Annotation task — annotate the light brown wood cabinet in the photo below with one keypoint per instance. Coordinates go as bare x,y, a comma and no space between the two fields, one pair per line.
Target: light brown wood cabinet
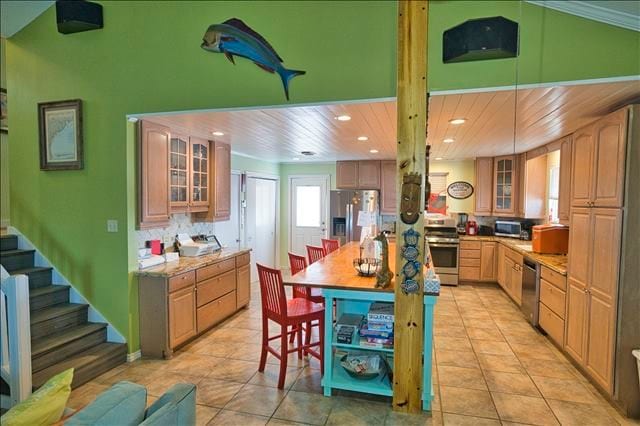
369,174
564,192
488,261
552,306
531,190
199,180
592,280
153,175
219,207
500,265
347,175
179,173
176,308
484,186
505,185
598,162
388,187
182,316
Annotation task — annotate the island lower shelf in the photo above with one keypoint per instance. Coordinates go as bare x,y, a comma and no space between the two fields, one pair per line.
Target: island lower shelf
358,302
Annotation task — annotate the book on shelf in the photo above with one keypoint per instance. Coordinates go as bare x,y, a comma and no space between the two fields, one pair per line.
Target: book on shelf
385,333
377,345
380,312
380,326
350,319
345,333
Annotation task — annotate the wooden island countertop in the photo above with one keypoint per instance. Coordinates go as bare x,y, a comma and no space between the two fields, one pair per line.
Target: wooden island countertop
335,271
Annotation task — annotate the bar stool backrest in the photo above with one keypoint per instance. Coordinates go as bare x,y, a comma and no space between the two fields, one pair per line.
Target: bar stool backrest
274,299
315,253
330,245
298,263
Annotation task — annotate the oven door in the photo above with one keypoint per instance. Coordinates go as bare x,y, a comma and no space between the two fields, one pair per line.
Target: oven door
444,257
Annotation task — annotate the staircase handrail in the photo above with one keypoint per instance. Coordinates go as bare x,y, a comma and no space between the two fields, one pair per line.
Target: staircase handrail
15,336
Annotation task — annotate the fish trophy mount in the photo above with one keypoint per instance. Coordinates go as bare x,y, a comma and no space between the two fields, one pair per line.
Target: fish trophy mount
235,38
384,274
410,208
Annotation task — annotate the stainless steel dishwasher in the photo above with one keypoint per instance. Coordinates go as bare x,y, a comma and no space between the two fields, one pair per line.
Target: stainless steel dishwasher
531,290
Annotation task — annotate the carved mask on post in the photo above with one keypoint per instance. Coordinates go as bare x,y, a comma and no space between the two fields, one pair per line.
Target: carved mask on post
410,208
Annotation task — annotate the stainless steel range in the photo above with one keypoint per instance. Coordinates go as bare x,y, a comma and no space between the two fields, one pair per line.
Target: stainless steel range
442,236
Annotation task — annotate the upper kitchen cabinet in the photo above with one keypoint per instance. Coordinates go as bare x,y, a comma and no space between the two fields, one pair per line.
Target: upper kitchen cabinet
611,144
598,161
484,186
219,192
347,175
358,174
199,181
505,181
179,173
388,187
153,175
564,193
531,188
368,174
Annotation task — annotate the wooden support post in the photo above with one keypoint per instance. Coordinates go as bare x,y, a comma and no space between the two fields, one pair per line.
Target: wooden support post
410,163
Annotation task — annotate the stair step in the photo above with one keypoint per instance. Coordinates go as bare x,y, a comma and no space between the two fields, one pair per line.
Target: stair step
57,347
16,259
8,242
42,297
39,276
56,318
87,365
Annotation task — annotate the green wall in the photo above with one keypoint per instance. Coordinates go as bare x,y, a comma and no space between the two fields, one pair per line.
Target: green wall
4,148
147,59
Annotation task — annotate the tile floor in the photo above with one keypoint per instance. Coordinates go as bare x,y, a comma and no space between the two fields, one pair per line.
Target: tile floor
490,368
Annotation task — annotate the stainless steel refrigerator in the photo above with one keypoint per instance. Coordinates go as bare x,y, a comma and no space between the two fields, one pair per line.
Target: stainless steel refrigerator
345,206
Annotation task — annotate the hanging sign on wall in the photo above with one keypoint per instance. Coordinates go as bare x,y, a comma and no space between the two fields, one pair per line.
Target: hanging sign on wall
460,190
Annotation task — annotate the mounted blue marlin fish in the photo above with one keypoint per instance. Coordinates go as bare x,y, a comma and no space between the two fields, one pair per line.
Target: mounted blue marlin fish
234,38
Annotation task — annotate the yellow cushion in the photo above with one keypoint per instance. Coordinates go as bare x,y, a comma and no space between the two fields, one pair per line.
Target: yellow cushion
45,406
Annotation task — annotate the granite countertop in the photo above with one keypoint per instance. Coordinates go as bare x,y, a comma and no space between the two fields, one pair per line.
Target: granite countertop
186,264
557,262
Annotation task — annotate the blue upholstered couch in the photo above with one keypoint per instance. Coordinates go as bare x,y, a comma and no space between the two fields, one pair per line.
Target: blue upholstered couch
124,404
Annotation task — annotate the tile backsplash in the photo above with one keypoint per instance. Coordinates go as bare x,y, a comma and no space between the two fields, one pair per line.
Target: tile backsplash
179,223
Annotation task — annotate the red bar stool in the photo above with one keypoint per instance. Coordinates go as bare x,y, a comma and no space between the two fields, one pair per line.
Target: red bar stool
315,253
330,245
288,313
297,263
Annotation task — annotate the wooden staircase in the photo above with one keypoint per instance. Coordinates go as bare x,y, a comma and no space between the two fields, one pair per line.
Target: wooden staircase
61,335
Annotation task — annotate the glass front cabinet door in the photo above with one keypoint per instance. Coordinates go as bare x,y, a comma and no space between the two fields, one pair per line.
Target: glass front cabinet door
504,185
179,173
199,194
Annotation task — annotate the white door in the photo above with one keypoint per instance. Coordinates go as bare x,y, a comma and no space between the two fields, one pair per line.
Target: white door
261,222
228,232
308,217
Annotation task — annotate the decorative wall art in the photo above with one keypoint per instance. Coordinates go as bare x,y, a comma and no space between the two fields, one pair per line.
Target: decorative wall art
235,38
410,210
4,125
60,126
460,190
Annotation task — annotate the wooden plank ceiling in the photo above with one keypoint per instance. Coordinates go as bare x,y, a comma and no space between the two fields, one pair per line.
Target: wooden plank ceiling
492,126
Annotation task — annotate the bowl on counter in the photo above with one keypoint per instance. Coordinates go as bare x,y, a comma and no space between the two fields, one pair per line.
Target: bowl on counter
366,267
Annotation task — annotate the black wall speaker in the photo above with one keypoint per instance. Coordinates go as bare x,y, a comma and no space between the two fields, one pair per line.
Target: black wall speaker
480,39
75,16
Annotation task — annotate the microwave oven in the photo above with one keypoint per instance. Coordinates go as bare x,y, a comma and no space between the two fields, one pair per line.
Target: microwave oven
506,228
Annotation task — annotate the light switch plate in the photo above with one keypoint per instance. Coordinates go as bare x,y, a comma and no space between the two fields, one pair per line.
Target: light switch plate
112,225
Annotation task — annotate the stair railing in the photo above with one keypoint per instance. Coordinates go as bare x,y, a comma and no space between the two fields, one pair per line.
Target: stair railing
15,337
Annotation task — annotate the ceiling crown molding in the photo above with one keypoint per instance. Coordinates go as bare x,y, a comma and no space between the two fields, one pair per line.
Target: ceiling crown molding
593,11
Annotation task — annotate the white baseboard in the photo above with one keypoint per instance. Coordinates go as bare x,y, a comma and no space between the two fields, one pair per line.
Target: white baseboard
134,356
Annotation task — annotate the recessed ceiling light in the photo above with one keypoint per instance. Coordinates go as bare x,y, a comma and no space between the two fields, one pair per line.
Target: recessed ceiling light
307,153
363,138
343,118
448,140
438,158
296,159
218,134
373,151
457,121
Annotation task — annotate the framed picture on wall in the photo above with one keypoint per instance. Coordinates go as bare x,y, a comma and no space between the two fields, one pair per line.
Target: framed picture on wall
60,125
4,124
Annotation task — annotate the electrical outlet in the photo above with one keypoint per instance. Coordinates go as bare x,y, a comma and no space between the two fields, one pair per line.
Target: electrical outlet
167,240
112,225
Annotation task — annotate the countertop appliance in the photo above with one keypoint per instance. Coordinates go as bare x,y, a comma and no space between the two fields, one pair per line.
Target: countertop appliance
485,230
530,290
505,228
462,223
472,227
442,236
550,239
345,207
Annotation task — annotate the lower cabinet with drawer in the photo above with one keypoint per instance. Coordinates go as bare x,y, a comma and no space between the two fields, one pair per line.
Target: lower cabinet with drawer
553,287
478,261
174,309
